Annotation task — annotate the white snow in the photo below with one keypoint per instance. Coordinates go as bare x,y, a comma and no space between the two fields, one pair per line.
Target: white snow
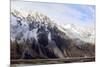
71,30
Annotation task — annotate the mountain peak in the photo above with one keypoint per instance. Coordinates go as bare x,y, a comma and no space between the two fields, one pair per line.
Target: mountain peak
33,19
34,32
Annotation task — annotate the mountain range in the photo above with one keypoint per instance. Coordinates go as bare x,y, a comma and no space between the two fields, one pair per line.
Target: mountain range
34,35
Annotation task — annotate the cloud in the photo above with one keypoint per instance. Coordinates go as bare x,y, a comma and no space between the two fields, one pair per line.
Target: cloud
61,13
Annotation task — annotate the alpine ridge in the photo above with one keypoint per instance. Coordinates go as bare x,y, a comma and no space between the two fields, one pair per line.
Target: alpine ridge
35,36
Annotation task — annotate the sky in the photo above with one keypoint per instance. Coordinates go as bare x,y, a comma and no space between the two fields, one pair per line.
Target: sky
62,13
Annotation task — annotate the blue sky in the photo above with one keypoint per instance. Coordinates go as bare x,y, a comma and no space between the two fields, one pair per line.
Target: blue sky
61,13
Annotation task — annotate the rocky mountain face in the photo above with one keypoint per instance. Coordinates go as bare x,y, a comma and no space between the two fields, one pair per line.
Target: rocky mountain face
34,36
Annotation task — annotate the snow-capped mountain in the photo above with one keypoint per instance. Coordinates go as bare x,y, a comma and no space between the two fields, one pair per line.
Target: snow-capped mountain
36,36
86,34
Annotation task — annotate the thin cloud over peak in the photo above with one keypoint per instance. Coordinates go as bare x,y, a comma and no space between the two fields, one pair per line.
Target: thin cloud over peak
61,13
